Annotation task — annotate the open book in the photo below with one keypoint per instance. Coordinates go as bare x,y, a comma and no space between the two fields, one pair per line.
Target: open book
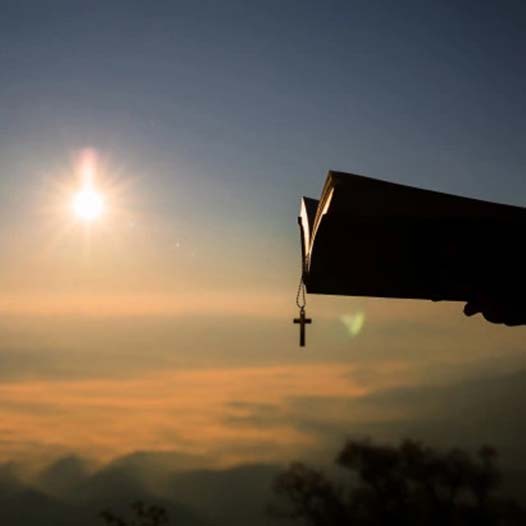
367,237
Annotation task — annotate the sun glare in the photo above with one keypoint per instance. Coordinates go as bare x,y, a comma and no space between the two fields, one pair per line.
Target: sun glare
88,204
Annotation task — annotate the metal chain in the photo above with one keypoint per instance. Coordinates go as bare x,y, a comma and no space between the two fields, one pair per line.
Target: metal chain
301,299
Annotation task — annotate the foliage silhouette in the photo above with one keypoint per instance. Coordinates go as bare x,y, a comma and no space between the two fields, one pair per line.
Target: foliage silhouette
144,515
410,484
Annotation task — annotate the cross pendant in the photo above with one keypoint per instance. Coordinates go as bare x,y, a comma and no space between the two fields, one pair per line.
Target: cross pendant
302,320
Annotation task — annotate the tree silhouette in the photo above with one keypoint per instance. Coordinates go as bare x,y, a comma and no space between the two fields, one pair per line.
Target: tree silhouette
410,484
144,515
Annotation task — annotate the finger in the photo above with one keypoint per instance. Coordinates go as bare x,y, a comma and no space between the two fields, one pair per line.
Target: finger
471,308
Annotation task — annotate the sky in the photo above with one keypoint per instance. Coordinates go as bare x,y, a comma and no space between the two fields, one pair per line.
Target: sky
166,325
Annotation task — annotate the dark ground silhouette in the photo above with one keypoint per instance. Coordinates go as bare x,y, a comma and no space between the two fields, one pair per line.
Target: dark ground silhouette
411,484
141,515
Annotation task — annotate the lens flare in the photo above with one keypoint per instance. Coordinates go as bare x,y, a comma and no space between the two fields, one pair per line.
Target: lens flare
353,322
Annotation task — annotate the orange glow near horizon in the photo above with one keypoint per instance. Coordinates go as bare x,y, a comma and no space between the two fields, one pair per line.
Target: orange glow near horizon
138,413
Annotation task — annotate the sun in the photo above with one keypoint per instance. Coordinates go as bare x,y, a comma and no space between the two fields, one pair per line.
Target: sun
88,204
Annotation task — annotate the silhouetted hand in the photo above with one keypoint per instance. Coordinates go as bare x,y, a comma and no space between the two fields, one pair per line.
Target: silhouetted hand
510,312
